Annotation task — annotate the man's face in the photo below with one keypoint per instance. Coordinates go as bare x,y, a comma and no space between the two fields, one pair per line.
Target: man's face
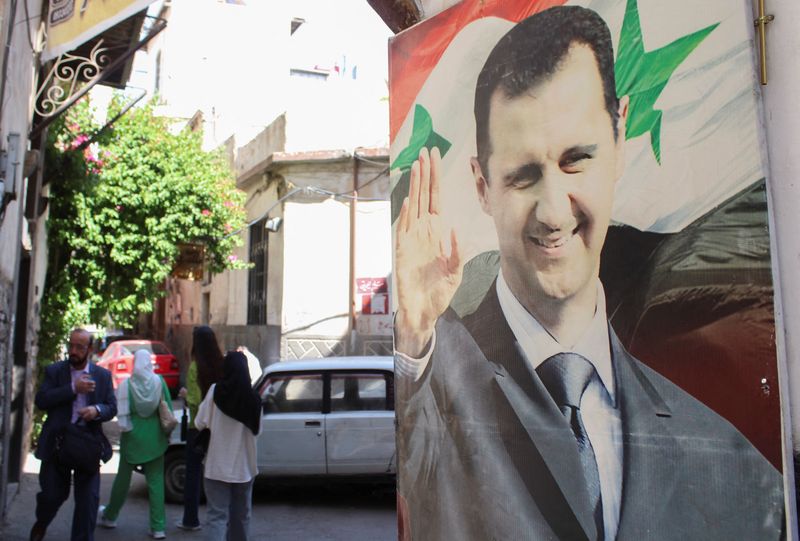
550,181
78,348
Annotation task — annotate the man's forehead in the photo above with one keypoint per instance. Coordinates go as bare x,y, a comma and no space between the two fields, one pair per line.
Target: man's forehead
80,336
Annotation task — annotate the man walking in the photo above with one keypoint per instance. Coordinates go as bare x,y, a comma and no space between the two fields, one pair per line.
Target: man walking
78,392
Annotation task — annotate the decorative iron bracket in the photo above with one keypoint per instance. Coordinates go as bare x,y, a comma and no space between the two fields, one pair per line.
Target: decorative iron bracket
60,83
60,89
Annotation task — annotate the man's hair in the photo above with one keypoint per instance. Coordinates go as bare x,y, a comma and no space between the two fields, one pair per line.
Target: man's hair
208,356
81,330
531,53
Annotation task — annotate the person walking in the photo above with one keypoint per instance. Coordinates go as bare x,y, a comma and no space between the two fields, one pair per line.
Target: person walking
232,412
142,442
76,392
204,370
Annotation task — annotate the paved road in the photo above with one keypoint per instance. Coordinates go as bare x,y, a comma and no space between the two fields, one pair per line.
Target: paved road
290,513
299,513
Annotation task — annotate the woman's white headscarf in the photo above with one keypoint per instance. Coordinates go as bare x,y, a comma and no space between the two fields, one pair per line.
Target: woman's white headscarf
145,390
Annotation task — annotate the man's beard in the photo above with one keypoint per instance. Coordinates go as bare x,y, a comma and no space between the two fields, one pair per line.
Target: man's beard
76,361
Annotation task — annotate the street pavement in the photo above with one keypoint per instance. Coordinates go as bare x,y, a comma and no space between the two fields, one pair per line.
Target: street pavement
301,512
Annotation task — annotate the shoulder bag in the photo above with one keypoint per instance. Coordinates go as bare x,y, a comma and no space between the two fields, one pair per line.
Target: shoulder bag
79,448
166,417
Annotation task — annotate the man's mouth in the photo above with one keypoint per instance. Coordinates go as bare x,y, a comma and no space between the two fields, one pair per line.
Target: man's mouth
553,241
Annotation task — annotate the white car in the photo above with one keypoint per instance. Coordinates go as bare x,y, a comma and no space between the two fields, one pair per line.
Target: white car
329,418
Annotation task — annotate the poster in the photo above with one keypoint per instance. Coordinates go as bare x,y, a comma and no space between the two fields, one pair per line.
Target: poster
584,335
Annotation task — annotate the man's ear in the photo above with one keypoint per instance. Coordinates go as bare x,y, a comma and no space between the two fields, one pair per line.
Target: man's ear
481,185
622,121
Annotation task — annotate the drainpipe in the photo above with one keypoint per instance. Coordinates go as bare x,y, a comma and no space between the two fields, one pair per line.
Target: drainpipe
352,288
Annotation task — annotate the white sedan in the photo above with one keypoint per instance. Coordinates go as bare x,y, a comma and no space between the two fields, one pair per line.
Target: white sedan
326,418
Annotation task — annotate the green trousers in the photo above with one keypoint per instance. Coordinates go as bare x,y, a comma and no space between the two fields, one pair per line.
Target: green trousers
154,474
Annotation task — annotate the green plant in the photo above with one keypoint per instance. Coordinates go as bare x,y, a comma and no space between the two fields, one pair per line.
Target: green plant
120,204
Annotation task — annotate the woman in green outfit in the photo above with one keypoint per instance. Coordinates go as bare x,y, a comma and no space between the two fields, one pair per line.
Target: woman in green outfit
142,442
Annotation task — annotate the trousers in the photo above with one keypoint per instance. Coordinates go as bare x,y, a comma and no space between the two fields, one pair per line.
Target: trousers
154,475
54,481
192,486
228,507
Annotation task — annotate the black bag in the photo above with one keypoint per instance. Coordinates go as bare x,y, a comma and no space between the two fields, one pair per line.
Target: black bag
79,448
200,443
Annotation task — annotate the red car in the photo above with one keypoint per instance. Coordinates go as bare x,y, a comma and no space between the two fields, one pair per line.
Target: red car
118,359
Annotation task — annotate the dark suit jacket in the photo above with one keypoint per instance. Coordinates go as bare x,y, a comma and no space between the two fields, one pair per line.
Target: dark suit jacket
55,397
485,453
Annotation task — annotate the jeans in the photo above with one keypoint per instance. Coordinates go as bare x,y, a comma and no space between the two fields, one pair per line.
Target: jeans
54,481
192,484
154,475
228,508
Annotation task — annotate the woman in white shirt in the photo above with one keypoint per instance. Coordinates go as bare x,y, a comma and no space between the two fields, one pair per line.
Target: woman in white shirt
231,410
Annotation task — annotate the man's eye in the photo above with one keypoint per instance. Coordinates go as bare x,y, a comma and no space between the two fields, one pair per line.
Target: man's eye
575,162
522,182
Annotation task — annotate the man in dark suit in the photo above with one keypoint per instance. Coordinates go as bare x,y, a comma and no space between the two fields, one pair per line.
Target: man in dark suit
73,391
527,419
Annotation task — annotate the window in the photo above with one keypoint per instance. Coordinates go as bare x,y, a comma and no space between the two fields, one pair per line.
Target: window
257,276
360,391
205,309
156,348
292,393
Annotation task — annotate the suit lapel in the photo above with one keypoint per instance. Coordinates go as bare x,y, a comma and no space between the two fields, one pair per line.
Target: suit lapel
535,433
651,452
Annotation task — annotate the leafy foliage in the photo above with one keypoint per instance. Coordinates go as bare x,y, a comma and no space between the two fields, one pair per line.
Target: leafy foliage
120,203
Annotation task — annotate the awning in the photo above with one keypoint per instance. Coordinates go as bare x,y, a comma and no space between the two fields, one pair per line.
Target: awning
72,23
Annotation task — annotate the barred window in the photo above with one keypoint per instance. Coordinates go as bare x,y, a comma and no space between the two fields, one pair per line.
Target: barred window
257,276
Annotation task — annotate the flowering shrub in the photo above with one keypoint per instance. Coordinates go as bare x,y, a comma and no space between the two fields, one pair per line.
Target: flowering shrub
120,203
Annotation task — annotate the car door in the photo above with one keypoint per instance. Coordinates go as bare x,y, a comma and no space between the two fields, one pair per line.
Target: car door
360,426
292,440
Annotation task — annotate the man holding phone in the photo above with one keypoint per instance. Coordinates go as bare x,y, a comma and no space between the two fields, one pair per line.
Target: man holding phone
78,392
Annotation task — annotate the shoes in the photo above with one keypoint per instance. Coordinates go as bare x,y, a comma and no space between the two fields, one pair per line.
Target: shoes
183,526
157,535
38,531
102,520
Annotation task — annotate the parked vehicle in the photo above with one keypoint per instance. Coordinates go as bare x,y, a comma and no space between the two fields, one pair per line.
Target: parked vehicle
329,419
118,359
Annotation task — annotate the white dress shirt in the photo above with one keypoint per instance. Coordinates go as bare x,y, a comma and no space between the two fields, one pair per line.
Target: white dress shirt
81,399
599,410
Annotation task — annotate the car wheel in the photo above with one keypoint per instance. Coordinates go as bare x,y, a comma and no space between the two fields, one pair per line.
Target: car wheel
174,475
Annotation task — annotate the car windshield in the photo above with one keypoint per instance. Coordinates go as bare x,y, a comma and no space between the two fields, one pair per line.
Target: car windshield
151,347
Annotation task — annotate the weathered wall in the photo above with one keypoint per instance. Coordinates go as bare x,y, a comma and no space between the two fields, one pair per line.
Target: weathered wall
17,89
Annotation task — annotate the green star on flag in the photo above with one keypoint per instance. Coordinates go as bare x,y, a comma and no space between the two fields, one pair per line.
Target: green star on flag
422,135
642,75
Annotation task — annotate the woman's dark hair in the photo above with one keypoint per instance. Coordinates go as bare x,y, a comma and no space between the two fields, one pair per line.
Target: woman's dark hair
208,356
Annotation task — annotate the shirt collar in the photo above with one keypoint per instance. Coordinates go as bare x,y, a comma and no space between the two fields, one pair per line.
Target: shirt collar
537,344
85,368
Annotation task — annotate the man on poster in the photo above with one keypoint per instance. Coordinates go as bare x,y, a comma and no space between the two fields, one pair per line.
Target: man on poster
528,418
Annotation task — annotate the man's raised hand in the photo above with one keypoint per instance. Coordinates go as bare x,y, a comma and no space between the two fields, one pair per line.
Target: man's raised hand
427,277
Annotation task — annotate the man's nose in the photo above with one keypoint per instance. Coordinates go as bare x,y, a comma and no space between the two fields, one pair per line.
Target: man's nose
554,204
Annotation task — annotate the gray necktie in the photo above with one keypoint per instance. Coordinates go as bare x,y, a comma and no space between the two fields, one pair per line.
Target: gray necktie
566,376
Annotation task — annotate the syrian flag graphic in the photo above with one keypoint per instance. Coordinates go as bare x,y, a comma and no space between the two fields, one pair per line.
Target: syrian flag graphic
686,263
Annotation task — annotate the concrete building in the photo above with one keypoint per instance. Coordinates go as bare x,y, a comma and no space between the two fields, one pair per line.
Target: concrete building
295,93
